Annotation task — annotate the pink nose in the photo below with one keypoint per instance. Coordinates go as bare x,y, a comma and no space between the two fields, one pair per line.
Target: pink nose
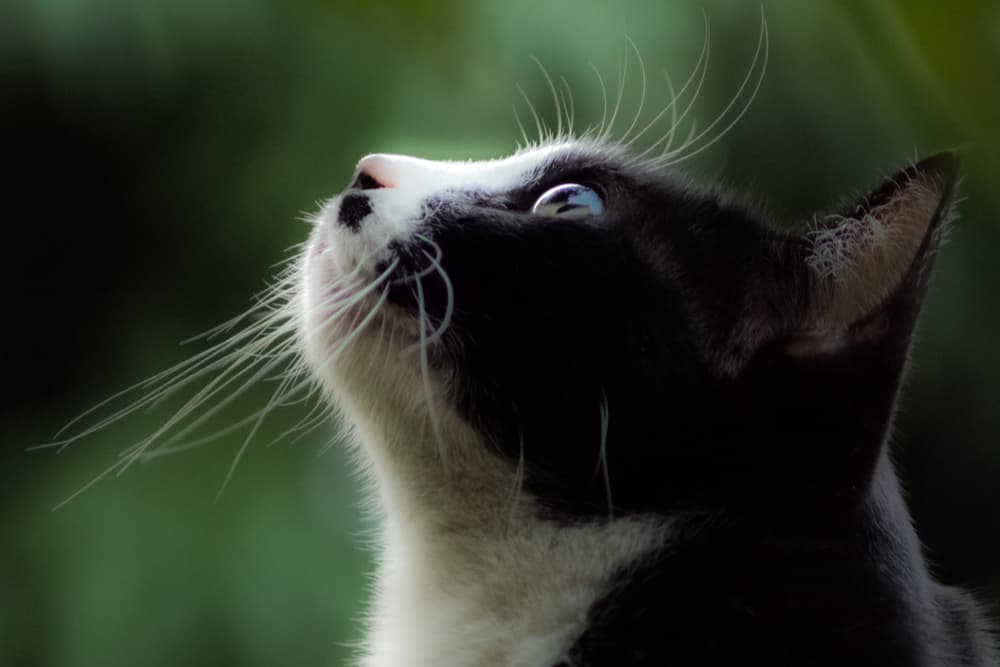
375,171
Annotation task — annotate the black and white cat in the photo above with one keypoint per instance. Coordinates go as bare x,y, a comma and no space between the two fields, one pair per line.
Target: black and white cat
613,419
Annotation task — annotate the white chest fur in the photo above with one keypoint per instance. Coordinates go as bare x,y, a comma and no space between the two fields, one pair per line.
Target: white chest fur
514,600
469,574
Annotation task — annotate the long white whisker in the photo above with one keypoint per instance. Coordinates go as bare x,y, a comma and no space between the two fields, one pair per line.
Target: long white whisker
642,94
604,101
555,97
173,371
426,271
135,452
623,73
282,327
425,373
515,493
170,447
252,341
569,104
275,397
539,126
605,418
278,355
763,43
668,137
316,416
274,294
450,305
174,379
520,126
213,388
359,325
79,492
675,96
163,449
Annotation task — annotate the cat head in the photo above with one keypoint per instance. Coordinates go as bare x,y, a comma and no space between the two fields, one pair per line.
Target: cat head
610,337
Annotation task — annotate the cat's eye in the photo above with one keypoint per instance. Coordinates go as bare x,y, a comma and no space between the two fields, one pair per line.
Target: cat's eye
570,201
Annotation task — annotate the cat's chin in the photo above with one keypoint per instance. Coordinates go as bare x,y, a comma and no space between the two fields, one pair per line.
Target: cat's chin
350,334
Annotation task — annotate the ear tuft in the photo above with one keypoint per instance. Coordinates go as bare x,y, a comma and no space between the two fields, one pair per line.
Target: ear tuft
862,258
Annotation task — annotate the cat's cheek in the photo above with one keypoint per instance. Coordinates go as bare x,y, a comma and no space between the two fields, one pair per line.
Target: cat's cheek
319,275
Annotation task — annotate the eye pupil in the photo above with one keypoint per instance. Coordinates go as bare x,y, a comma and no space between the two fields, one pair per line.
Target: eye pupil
569,200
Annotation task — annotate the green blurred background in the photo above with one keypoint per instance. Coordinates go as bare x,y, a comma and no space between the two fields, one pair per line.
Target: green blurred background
159,154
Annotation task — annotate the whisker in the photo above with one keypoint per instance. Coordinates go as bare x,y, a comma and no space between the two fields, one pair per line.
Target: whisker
538,121
642,94
450,306
213,388
763,44
425,373
675,96
79,492
604,101
316,416
229,368
571,116
171,381
605,418
143,384
357,326
194,424
622,74
515,494
170,447
520,126
275,397
668,137
426,271
275,292
555,97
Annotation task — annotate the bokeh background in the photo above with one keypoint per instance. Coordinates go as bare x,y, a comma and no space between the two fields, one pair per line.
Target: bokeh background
158,157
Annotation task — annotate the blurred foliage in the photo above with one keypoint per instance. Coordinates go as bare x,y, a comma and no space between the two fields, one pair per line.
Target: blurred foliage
158,157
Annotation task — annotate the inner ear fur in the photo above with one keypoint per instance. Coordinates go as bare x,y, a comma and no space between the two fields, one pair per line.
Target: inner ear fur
873,259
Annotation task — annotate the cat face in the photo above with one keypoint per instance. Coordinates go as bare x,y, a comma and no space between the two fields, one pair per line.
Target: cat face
618,340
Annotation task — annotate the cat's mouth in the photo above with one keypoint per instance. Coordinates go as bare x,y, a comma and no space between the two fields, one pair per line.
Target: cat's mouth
349,291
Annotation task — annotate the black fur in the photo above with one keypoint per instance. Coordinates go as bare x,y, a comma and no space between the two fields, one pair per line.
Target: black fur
353,210
680,311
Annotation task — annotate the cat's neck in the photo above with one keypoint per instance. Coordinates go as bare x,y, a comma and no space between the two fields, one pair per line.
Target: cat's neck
520,599
470,573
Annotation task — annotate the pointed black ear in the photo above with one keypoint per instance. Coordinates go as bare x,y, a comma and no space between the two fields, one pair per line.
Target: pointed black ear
868,265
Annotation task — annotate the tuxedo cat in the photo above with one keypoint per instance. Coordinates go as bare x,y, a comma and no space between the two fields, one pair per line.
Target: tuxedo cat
613,419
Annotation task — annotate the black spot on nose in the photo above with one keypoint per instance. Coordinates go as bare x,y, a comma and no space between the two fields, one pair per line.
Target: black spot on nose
353,209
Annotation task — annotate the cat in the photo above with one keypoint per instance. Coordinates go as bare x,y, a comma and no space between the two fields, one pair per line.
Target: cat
614,419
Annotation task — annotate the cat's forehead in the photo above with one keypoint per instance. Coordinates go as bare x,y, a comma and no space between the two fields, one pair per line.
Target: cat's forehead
522,169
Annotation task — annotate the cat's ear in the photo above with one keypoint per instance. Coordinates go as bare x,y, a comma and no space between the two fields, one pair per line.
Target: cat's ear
867,266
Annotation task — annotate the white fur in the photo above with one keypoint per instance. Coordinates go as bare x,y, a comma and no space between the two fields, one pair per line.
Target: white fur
397,208
469,573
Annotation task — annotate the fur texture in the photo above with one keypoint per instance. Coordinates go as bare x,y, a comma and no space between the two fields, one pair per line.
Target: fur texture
653,436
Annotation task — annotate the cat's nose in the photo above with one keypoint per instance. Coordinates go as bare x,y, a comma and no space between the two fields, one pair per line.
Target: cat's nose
384,170
374,172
